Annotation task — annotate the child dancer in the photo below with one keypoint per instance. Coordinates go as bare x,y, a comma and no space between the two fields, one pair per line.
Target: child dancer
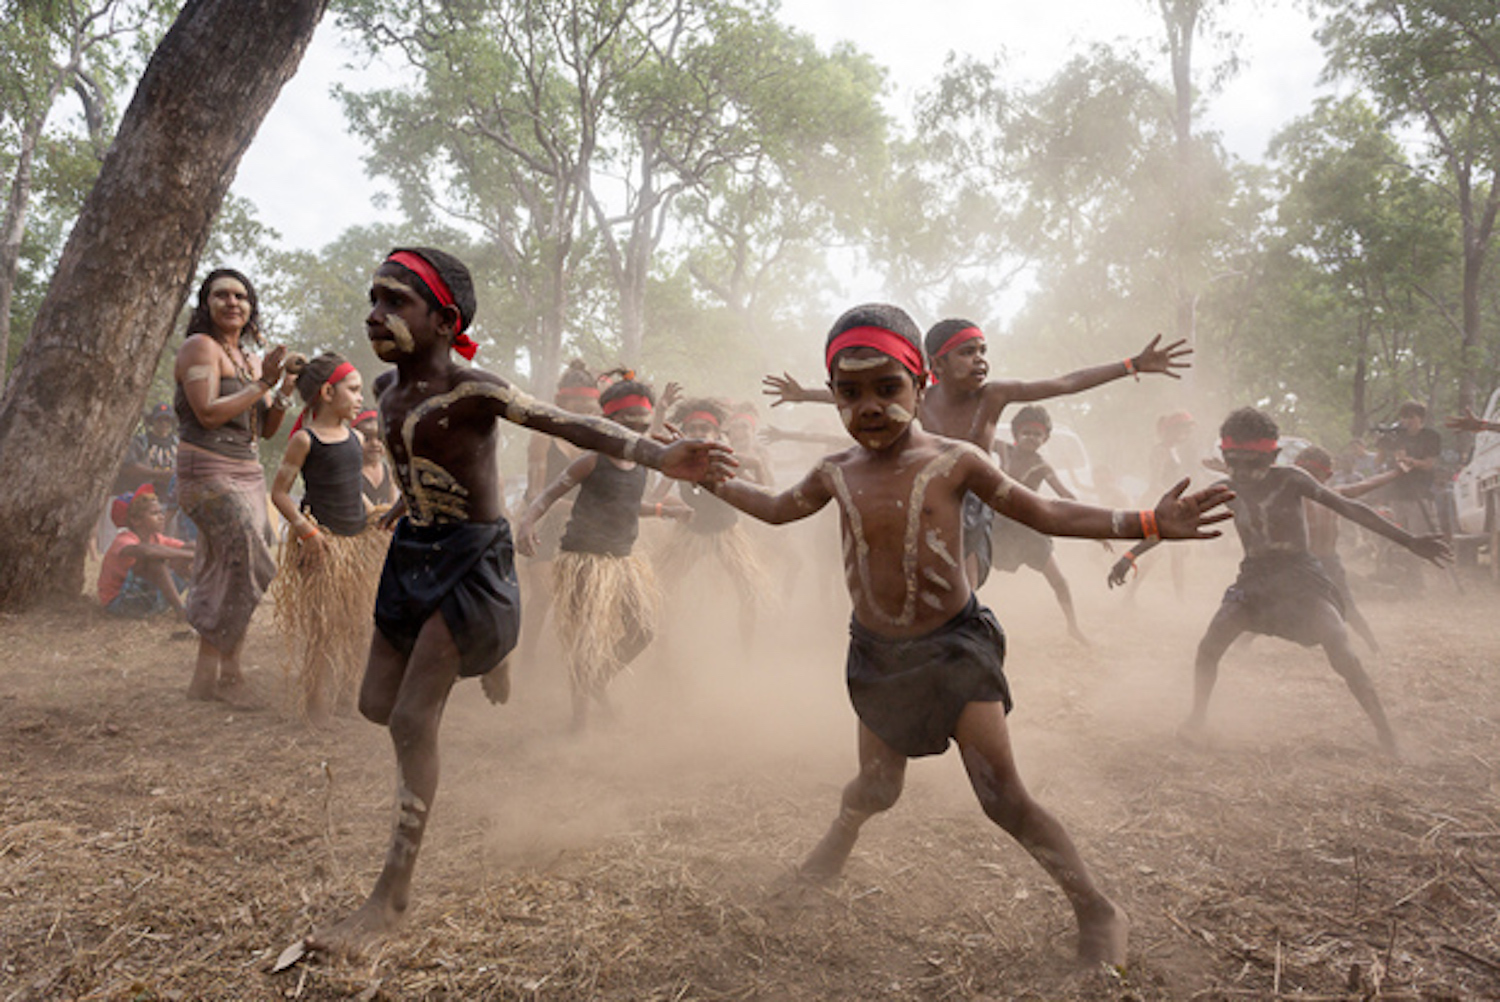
925,659
1323,531
1281,590
713,531
546,459
448,604
606,596
1017,544
375,481
329,564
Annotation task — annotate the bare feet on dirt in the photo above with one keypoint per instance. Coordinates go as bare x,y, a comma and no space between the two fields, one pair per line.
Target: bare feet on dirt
1102,937
357,934
829,856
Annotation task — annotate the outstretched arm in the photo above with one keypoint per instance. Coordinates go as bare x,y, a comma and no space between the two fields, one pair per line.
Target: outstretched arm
1430,547
807,498
1176,516
1165,360
1469,421
686,459
787,390
1363,487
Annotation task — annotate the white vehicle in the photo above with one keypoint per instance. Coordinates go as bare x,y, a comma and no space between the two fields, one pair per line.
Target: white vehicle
1476,489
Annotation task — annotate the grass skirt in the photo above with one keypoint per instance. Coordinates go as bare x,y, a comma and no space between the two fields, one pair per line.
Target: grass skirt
684,549
606,610
325,616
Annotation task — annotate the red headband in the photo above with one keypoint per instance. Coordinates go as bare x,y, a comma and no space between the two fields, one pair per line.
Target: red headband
1228,444
364,416
419,266
884,341
967,334
119,508
334,378
620,403
578,391
743,416
705,416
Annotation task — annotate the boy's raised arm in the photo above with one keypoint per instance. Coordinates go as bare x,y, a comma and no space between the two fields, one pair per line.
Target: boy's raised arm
1153,358
1430,547
787,390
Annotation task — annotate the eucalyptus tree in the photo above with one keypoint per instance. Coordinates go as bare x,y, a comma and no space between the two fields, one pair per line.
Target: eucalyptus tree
82,376
85,49
1362,263
1436,65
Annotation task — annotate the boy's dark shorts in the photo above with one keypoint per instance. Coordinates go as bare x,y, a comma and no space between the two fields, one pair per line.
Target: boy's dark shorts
466,571
1283,594
977,519
1018,545
910,692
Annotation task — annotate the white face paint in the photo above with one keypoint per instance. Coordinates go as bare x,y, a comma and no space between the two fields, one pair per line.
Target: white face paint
846,415
849,364
898,414
400,332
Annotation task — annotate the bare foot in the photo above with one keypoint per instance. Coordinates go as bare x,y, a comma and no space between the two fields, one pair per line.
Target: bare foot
829,856
1102,936
201,687
373,922
496,683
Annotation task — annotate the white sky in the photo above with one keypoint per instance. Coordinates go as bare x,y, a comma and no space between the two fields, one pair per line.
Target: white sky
305,173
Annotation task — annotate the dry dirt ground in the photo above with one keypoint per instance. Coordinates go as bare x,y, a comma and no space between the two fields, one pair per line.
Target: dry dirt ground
152,848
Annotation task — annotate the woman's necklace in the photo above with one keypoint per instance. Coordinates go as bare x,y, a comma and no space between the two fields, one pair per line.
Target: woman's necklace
238,360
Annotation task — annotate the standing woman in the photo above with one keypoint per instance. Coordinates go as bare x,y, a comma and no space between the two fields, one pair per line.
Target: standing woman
226,401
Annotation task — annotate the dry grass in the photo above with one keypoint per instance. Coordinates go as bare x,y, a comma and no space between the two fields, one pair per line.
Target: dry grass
155,849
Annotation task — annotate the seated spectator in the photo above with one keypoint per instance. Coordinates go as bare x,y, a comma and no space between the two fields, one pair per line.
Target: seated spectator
143,572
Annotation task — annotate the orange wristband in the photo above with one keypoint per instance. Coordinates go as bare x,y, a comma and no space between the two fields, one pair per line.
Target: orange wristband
303,537
1148,525
658,509
1130,369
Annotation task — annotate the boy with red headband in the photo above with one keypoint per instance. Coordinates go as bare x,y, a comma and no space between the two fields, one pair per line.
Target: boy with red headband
1282,590
448,605
606,595
964,403
925,663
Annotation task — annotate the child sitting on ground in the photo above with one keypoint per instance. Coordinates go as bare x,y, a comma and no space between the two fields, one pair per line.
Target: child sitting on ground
144,572
925,662
1282,590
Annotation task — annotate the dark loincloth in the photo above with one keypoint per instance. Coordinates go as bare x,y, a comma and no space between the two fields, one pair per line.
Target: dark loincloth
1282,592
466,571
1018,545
910,692
977,519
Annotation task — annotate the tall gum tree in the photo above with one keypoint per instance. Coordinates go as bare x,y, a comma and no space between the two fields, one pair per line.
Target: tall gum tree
1437,65
82,376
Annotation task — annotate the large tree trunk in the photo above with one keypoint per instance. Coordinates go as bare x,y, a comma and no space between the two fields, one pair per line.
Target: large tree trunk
82,377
